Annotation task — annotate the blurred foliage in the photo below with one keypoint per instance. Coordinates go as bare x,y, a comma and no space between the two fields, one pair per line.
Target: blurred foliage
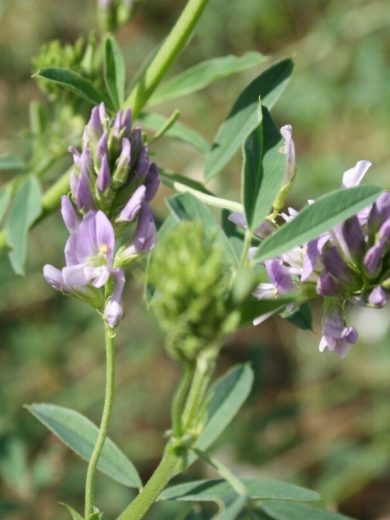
312,418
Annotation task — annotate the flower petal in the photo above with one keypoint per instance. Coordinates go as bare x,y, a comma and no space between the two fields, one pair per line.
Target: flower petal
354,176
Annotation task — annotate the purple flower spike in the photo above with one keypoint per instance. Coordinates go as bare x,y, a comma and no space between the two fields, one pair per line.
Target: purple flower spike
336,336
133,207
80,183
335,265
378,297
113,310
354,176
69,215
289,150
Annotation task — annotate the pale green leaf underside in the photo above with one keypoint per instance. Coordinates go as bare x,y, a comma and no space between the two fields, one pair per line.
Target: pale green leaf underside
292,511
11,161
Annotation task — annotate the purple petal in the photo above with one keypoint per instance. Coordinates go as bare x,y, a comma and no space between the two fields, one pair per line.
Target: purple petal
354,176
289,150
113,310
152,182
133,206
334,263
145,235
54,277
378,297
69,215
83,195
77,275
82,245
279,276
373,259
312,256
95,123
327,285
104,175
102,150
349,237
238,219
105,236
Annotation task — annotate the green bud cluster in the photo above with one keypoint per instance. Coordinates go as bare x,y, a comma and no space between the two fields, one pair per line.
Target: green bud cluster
192,285
113,14
79,57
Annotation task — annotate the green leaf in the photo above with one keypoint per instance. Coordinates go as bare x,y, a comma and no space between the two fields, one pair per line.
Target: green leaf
292,511
177,131
325,213
257,489
263,169
80,434
203,74
5,197
243,119
114,72
25,208
75,83
251,308
11,161
301,318
225,397
186,207
73,513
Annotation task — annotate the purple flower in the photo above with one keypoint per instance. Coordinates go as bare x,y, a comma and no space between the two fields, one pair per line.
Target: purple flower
337,337
89,256
144,237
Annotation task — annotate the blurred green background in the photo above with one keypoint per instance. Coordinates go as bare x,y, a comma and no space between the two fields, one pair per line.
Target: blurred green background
312,419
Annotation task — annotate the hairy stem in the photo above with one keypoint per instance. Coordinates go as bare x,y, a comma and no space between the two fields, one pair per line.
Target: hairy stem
166,55
180,399
107,408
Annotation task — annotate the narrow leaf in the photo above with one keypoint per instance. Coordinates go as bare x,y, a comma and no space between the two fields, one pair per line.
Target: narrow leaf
263,169
114,72
293,511
243,119
203,74
257,489
25,208
251,308
75,83
186,207
73,513
178,131
11,161
80,434
5,197
323,215
301,318
226,397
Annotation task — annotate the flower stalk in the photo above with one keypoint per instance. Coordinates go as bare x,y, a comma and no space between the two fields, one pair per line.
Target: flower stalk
107,409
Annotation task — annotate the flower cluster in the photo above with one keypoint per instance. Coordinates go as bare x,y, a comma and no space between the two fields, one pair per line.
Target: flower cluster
112,183
348,265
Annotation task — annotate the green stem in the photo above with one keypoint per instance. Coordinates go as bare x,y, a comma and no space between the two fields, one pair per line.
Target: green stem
107,408
195,401
180,399
170,465
166,55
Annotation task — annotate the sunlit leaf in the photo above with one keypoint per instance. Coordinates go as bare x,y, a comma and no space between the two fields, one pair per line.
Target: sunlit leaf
325,213
203,74
243,118
114,72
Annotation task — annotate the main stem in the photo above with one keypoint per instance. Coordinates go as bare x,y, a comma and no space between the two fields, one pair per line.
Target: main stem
171,464
166,55
107,408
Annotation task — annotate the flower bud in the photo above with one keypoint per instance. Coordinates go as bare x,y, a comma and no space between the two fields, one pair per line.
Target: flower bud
192,284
